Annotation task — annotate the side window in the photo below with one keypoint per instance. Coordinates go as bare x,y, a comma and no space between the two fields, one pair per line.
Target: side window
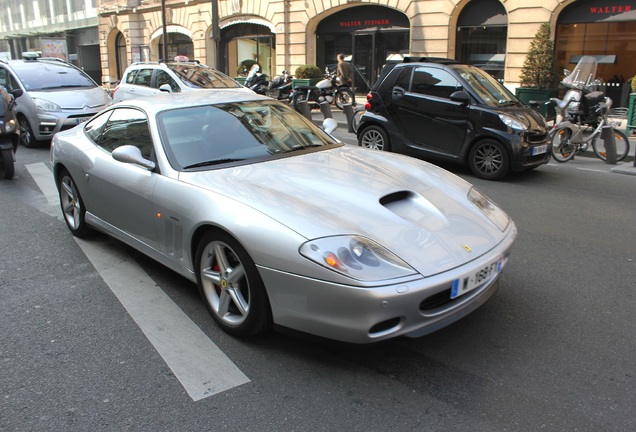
434,82
94,127
127,126
404,78
164,78
7,80
143,77
3,78
130,78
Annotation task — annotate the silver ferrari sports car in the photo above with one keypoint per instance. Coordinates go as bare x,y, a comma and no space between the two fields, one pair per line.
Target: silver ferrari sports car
278,222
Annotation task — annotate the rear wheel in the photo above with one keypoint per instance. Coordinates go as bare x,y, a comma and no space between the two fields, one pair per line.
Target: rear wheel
374,138
27,138
488,160
345,96
231,287
621,142
562,147
6,164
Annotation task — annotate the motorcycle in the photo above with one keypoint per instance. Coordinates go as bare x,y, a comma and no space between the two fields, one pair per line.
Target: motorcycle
329,90
9,132
256,81
579,102
280,87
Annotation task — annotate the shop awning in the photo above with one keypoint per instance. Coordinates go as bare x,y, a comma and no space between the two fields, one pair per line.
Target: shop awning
258,21
172,29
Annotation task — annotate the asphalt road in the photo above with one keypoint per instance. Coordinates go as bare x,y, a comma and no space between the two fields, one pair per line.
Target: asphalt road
553,350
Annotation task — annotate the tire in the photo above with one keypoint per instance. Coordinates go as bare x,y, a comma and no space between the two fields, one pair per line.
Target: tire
6,164
622,146
231,287
297,98
27,138
72,205
345,96
562,148
489,160
374,138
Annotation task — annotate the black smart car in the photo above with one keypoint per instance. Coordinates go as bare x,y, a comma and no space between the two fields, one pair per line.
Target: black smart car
445,110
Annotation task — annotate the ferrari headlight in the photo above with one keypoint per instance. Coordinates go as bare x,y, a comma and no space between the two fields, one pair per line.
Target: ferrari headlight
513,123
45,105
357,257
489,208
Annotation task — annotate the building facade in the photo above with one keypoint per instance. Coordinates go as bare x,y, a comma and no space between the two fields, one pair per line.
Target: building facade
284,34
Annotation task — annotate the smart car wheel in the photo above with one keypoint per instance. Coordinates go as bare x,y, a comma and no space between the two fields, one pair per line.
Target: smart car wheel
72,205
488,160
27,138
231,286
374,138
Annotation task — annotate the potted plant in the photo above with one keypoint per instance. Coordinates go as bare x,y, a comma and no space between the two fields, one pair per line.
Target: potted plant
305,75
539,78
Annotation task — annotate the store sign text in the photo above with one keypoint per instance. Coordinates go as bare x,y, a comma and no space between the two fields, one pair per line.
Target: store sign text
610,9
368,23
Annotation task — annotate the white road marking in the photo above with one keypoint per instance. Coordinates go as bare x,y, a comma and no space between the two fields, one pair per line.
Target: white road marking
201,367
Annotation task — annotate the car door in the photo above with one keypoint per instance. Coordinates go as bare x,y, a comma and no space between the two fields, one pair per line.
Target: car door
139,84
118,193
422,109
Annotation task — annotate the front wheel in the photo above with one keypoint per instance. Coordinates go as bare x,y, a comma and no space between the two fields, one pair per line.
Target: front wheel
27,138
621,142
562,147
299,97
374,138
345,96
6,164
231,287
488,160
72,205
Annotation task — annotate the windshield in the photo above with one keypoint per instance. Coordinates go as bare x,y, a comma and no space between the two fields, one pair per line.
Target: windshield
491,91
202,77
36,76
583,75
234,132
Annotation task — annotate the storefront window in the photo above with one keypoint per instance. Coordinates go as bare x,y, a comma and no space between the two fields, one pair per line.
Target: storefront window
178,45
482,31
247,42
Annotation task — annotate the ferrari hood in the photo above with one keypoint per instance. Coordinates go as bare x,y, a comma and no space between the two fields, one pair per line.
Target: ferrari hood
416,210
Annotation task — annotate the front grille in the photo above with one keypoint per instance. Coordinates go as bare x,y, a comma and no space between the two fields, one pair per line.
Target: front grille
536,137
438,300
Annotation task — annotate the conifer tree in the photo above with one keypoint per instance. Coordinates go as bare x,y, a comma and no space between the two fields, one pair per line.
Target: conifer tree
539,68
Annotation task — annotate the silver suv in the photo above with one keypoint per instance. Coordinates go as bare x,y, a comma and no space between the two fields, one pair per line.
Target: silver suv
57,96
151,78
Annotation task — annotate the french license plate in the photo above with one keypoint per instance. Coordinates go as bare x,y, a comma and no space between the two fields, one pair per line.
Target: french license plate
471,281
539,149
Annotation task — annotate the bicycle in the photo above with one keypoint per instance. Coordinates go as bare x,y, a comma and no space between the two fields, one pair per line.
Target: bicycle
567,138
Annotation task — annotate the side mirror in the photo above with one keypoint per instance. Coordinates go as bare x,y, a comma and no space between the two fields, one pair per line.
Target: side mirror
460,96
17,93
132,155
165,88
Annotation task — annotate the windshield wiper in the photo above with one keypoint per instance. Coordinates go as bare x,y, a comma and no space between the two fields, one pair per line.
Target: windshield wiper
212,162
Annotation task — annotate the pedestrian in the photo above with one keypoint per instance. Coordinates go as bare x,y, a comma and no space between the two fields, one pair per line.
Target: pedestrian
344,71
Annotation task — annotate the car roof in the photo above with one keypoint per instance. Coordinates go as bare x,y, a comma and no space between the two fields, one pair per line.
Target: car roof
165,101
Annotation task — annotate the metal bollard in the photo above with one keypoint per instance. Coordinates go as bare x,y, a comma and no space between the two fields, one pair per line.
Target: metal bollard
325,109
304,109
607,135
348,111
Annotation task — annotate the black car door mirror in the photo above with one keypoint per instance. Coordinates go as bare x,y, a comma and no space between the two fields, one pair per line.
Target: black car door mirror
461,97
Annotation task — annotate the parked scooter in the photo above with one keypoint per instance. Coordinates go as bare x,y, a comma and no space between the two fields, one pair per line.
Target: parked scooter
9,132
280,87
579,102
329,90
256,81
